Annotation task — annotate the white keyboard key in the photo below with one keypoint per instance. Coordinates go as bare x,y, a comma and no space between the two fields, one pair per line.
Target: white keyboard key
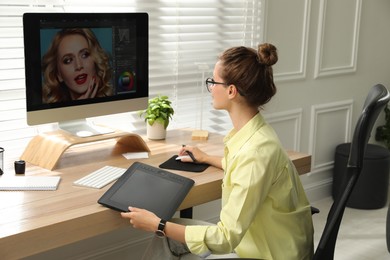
101,177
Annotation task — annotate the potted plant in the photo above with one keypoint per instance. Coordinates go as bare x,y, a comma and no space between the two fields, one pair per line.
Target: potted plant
157,116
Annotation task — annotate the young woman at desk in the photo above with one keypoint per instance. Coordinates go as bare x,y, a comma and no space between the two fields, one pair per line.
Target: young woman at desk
265,213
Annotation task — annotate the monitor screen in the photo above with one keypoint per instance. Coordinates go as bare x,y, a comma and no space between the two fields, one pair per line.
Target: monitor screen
81,65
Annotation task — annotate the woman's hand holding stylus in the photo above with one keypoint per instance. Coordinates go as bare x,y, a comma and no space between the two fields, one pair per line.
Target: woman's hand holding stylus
196,155
199,156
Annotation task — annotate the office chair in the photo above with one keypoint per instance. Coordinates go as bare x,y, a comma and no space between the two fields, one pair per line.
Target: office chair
375,102
388,229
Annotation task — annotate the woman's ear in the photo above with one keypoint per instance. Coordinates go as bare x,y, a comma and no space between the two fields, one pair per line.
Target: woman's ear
232,90
59,77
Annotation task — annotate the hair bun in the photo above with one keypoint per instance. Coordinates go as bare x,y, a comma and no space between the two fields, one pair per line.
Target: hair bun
267,54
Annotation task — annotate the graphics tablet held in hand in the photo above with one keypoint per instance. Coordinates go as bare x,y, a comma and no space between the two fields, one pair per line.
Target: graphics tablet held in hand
148,187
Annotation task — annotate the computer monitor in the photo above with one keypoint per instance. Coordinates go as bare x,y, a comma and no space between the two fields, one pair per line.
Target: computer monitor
82,65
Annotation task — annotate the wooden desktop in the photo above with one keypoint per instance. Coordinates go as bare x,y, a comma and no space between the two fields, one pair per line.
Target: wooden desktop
71,214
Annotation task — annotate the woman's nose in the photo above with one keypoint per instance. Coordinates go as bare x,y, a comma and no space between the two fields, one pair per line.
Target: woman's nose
79,64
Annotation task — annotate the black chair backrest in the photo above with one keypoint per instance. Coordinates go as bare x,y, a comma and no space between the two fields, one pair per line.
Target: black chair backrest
375,102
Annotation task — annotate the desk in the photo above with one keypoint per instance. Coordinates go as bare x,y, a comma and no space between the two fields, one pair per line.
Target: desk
72,214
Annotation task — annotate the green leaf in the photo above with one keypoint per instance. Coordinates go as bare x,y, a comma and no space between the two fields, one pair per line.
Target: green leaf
159,109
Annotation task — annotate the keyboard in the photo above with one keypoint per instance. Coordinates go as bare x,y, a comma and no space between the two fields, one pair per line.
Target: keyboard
100,178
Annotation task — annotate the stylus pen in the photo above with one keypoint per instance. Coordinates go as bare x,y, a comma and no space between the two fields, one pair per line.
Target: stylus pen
189,154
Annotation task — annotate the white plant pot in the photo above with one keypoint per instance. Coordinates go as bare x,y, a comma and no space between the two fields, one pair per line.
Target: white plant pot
155,131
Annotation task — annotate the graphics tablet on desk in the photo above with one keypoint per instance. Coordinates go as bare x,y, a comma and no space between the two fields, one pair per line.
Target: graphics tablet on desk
148,187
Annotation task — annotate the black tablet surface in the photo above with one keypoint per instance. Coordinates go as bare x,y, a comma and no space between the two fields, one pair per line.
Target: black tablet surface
147,187
174,164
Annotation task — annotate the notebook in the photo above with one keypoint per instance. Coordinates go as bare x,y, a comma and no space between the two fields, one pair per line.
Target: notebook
25,183
148,187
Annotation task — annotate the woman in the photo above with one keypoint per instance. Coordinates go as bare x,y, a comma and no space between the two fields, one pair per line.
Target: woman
75,67
265,213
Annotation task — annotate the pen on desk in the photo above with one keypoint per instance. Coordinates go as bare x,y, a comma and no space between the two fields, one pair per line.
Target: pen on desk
189,153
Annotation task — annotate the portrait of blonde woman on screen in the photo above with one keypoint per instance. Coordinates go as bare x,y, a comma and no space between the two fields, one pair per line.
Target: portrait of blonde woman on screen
75,67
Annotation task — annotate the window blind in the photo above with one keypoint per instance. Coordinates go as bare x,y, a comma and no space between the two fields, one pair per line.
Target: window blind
185,38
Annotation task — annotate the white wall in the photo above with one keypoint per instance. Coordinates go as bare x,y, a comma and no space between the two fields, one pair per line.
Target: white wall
331,53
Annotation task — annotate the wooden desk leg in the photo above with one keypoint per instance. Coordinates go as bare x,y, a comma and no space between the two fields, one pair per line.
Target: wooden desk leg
186,213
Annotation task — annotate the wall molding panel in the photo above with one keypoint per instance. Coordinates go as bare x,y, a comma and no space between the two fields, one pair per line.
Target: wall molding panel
330,126
336,50
287,125
293,65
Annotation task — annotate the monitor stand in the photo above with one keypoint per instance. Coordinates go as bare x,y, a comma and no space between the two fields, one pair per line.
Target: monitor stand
83,128
46,149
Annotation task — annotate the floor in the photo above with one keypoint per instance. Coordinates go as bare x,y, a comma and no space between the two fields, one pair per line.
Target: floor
362,233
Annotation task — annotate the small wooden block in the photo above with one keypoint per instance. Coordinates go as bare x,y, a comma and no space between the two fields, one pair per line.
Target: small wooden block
200,135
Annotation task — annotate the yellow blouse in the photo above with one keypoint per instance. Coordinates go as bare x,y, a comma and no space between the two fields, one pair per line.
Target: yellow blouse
265,213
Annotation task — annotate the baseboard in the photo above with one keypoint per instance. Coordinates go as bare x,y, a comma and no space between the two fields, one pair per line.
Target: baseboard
319,190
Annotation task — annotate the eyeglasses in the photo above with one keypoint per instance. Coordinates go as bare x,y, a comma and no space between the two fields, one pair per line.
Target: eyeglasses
210,83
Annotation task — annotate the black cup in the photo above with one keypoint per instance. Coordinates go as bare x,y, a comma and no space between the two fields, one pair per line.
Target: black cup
20,167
